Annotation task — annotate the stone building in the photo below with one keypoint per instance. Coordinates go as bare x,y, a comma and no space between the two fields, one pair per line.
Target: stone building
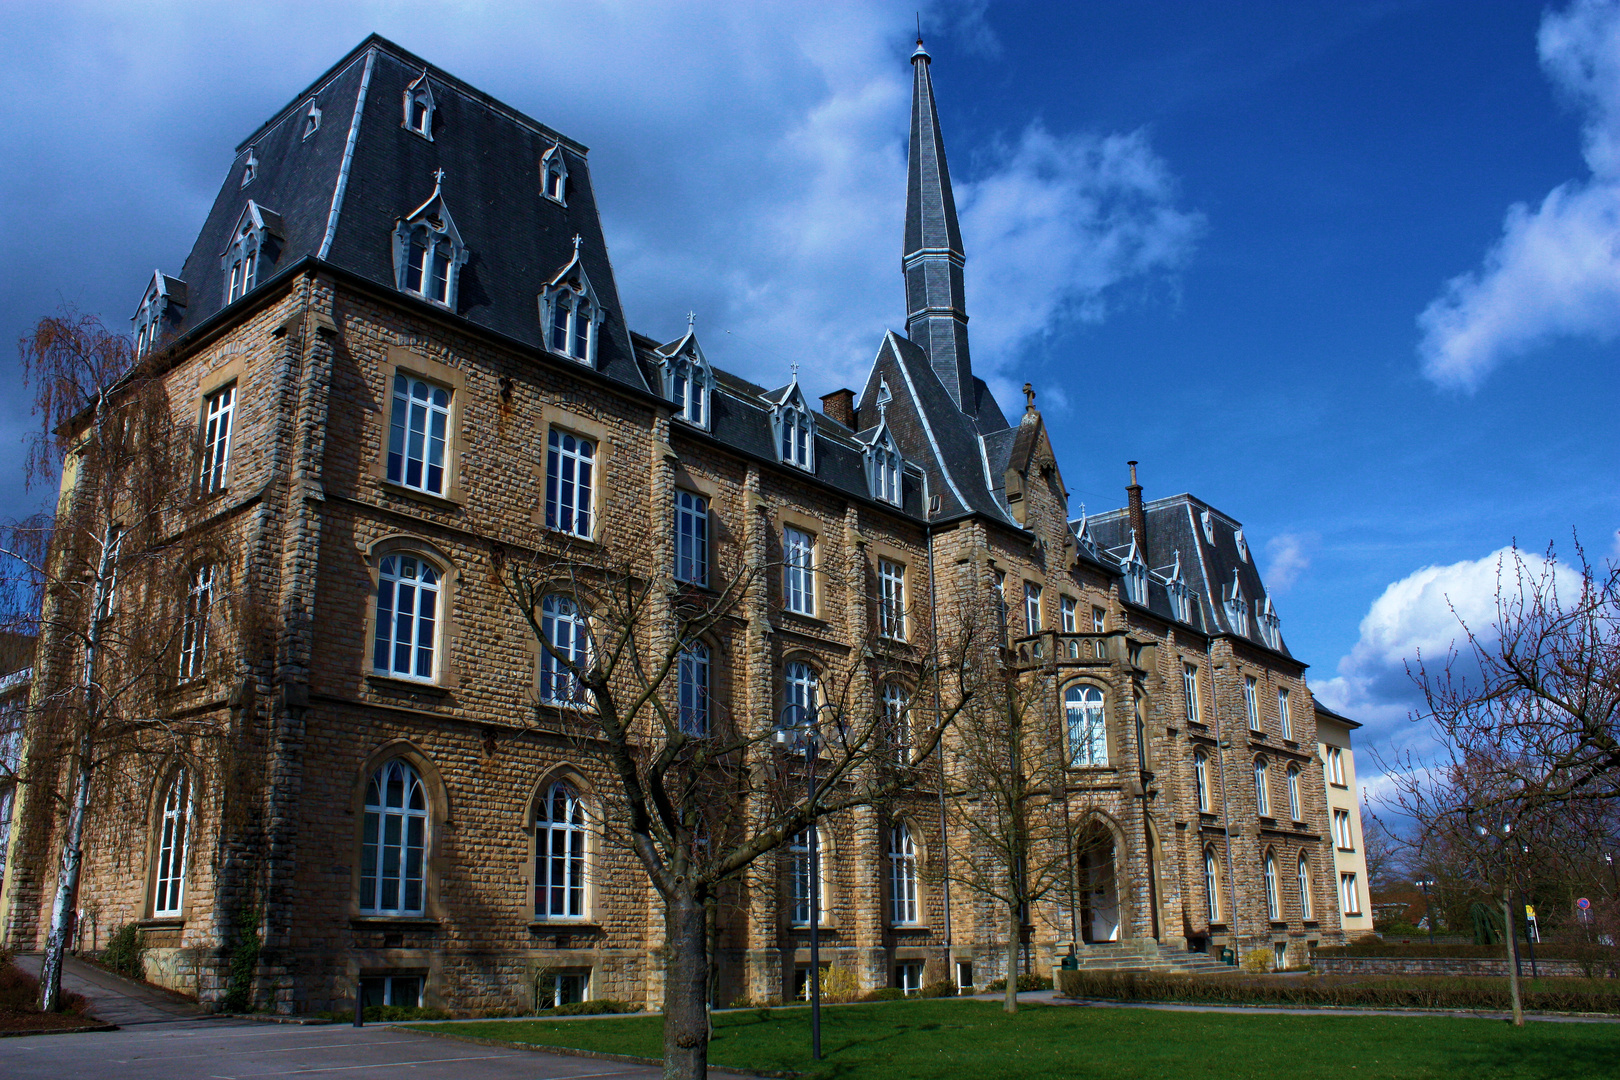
401,339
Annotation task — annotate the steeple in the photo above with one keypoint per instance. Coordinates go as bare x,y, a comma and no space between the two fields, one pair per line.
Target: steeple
936,313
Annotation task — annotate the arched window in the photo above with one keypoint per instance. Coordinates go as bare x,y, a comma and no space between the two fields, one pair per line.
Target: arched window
1304,886
798,694
1212,885
799,856
554,175
418,427
1273,909
407,618
1088,737
169,883
902,876
896,722
883,465
194,625
1262,794
693,679
794,428
419,107
559,855
428,252
1293,792
568,635
394,845
573,324
689,391
1201,779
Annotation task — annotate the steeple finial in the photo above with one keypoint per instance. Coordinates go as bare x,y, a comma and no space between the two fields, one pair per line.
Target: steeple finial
578,240
691,321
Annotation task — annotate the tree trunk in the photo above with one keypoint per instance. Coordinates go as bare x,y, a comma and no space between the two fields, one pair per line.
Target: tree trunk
1010,1002
686,988
67,884
1512,950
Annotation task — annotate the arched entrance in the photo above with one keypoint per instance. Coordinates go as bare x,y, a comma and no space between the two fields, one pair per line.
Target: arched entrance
1098,884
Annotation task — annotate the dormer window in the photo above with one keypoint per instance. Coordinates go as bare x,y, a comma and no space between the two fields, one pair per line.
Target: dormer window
1207,520
1270,626
156,311
250,169
884,465
1237,609
1242,545
1136,575
688,379
312,120
255,243
1180,594
570,313
1083,538
795,431
419,107
554,175
428,252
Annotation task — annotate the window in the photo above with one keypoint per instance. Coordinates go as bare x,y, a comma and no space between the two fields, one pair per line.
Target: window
1293,794
419,107
1000,585
559,855
1201,780
799,570
1284,718
570,474
1270,626
418,430
573,324
689,380
1304,879
7,800
1212,885
902,877
407,618
891,599
427,272
194,626
795,437
554,175
312,120
1342,837
1237,609
799,855
1189,688
1273,909
1262,797
964,975
1334,766
428,252
242,258
1349,900
568,635
896,722
1032,607
908,976
1180,595
218,410
883,466
1250,708
693,680
691,538
558,988
1066,614
395,991
392,853
1088,738
1136,575
1279,955
169,886
250,168
1099,621
798,694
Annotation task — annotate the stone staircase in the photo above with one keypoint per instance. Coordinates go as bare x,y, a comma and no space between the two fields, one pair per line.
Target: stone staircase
1147,956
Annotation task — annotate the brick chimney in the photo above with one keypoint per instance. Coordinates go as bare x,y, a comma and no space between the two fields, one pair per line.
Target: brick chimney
840,406
1133,492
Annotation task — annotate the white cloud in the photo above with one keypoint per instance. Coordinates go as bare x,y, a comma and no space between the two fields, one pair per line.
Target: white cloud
1555,271
1287,557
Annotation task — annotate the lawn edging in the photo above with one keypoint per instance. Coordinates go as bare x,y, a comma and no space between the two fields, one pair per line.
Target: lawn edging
569,1051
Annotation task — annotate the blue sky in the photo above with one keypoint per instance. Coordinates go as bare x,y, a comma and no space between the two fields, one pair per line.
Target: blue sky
1269,250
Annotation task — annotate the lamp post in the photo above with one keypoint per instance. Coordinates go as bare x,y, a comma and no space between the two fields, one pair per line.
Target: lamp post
1503,834
797,730
1428,911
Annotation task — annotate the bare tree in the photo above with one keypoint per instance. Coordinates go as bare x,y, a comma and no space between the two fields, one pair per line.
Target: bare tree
103,585
699,795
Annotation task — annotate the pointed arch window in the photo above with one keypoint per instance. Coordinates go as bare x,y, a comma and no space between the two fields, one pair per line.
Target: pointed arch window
428,251
1270,626
568,635
884,466
1273,908
1088,736
1284,715
902,876
795,430
799,693
897,722
688,380
1201,780
169,879
1304,872
1136,575
1237,609
394,842
1212,885
250,168
554,175
194,626
1262,793
159,306
570,314
407,618
560,868
693,671
419,107
1293,793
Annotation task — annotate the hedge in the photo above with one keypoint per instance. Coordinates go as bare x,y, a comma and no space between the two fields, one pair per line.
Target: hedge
1540,995
1549,950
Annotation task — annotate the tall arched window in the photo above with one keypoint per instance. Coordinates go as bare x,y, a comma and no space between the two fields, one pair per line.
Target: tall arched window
902,876
693,680
896,722
798,689
1262,794
799,856
1201,780
568,634
169,884
1088,738
1293,792
394,844
1212,885
1304,886
559,855
407,618
1273,908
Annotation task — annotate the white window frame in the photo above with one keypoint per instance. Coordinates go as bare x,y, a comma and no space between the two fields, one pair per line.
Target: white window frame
689,391
1273,902
571,325
1099,621
312,121
892,599
798,570
1262,786
799,687
1342,836
561,856
570,483
1303,873
691,537
554,175
1201,780
694,670
1189,688
908,976
1000,586
219,410
174,833
1334,766
1285,717
1251,707
903,907
419,95
1032,608
796,438
407,617
1085,713
1212,885
430,265
884,467
395,838
800,851
896,717
419,435
1294,807
565,627
1349,895
1066,615
194,625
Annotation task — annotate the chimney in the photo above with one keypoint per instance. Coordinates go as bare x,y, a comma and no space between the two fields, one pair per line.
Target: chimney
840,406
1138,515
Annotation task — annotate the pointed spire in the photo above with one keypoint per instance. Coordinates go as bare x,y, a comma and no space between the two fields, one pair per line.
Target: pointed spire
936,310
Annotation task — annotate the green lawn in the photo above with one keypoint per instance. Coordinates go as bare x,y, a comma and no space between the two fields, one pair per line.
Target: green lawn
924,1040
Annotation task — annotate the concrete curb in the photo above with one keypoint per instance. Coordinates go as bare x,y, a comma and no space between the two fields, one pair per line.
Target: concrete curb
59,1031
597,1055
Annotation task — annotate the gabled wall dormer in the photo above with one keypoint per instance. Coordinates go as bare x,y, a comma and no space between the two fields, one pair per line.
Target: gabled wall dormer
160,308
254,246
419,107
570,313
1237,609
688,378
554,175
1083,538
1175,584
1136,573
428,251
1270,624
793,428
885,466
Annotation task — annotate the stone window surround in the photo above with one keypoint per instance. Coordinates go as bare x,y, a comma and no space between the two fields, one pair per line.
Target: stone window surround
403,361
827,849
578,424
821,532
919,862
574,777
433,861
446,674
228,368
1111,742
154,839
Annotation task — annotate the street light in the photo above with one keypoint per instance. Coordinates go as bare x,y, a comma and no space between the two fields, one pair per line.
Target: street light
797,730
1428,912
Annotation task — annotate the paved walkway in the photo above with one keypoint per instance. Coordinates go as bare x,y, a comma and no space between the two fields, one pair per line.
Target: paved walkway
112,999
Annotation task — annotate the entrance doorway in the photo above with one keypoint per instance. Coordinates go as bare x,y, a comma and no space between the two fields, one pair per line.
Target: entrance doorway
1098,885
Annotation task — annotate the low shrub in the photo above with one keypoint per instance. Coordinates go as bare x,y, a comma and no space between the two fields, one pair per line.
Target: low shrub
1026,984
839,984
1258,961
126,952
1548,950
596,1007
887,993
943,988
764,1004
